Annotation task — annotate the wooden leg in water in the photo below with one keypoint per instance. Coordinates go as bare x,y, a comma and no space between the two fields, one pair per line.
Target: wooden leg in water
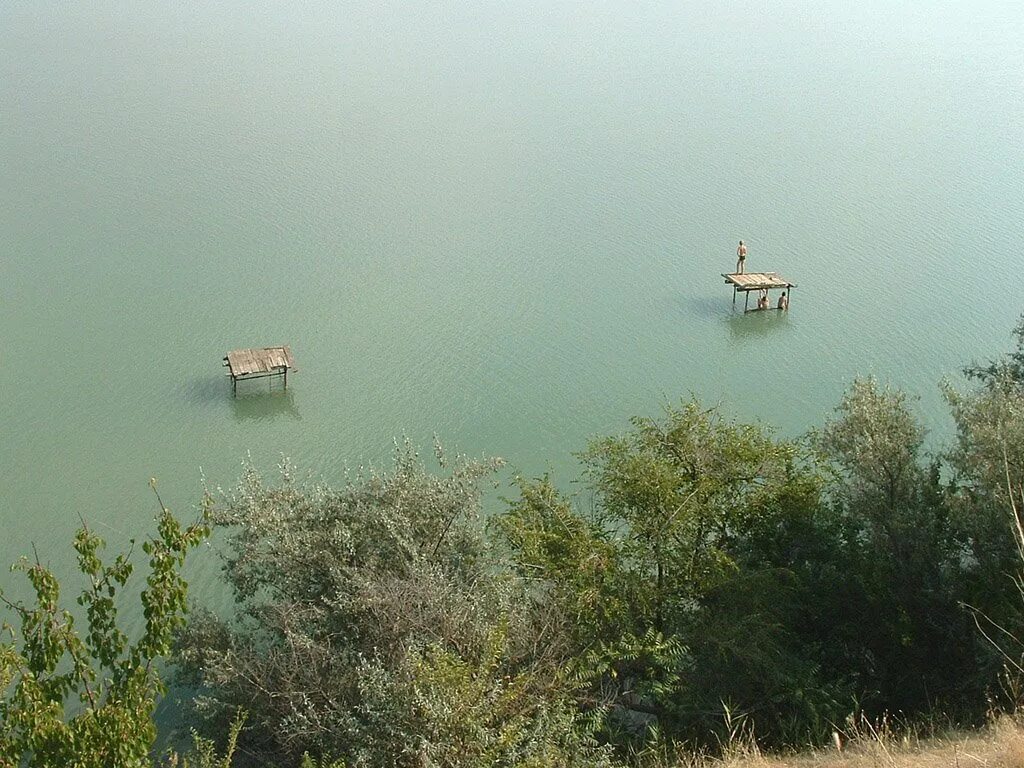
286,379
234,387
746,300
734,295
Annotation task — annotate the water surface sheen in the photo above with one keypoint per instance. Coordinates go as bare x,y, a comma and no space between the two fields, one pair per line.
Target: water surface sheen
500,222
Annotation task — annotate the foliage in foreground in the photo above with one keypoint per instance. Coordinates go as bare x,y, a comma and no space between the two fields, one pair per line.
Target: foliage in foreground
85,699
679,579
708,571
711,580
375,627
717,572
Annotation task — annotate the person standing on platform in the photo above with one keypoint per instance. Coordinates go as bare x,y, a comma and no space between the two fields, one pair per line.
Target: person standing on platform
741,258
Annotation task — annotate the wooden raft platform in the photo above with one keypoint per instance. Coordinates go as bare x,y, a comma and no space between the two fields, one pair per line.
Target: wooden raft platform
257,363
745,282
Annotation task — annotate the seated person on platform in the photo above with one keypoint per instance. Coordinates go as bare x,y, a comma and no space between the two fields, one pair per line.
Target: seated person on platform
783,301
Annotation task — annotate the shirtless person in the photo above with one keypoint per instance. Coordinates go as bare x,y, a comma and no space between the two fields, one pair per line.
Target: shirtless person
783,301
741,257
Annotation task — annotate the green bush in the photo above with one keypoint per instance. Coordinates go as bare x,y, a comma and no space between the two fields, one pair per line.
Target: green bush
375,625
86,700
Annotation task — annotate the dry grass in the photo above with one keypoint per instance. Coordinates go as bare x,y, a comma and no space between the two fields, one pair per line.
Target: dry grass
1001,745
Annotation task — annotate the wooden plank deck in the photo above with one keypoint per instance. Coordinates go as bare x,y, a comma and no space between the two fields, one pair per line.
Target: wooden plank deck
244,364
756,281
250,362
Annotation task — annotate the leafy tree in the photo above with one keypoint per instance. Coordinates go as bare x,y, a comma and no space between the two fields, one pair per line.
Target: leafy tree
574,561
72,700
678,608
876,442
376,626
1008,368
987,463
989,452
918,646
682,491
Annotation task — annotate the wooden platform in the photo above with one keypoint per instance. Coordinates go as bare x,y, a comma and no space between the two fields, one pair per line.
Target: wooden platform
757,281
745,282
257,363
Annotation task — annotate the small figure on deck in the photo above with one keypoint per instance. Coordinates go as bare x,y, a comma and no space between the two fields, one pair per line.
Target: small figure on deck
741,257
783,301
762,300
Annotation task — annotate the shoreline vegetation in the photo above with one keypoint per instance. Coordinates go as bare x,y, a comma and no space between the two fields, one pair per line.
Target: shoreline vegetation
714,596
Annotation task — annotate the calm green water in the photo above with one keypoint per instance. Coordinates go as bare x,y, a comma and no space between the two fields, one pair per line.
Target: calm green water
500,222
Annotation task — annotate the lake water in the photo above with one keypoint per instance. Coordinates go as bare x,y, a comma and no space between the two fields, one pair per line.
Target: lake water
503,223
